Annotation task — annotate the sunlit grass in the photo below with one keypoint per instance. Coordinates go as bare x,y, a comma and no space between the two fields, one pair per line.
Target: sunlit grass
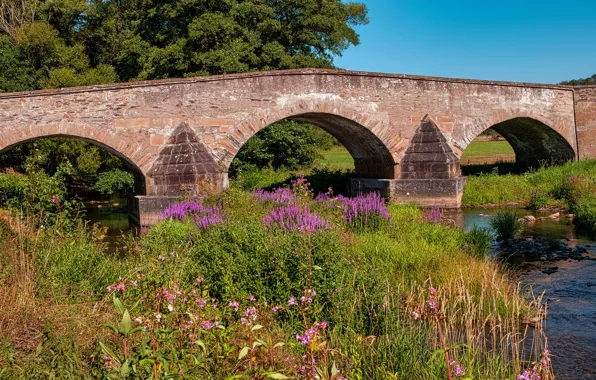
336,158
487,152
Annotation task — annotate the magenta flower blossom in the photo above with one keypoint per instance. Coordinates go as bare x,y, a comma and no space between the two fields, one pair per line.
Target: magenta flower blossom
309,294
432,304
251,313
203,215
415,315
292,301
364,210
121,285
279,196
457,370
311,333
234,305
295,218
433,214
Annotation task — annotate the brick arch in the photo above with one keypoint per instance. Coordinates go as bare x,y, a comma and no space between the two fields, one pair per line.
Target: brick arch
534,142
127,146
367,138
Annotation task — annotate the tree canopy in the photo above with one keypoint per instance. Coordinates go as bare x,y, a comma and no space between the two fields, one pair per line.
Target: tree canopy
62,43
583,81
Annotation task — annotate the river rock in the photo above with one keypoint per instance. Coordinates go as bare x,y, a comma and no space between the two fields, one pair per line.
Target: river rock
556,215
550,270
528,219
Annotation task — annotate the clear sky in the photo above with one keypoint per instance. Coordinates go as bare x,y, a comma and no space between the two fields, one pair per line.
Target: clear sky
524,41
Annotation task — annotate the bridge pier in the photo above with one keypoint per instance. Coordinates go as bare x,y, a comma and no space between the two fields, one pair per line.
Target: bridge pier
430,173
445,193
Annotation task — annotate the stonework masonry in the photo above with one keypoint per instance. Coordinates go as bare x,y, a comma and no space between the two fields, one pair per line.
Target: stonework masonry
181,135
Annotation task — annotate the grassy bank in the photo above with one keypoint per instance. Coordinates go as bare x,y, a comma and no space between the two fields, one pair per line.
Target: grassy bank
571,186
269,285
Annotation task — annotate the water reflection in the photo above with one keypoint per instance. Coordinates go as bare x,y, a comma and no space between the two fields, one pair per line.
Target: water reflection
113,214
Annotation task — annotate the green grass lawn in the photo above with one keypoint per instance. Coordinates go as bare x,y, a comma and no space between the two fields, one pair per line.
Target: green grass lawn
488,152
337,158
478,152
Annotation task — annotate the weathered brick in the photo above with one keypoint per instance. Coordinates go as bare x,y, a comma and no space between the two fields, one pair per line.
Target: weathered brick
157,140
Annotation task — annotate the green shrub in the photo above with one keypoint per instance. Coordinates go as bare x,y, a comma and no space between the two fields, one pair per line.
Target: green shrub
538,199
507,225
114,180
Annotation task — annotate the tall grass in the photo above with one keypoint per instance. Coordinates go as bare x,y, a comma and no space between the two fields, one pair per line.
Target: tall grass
353,292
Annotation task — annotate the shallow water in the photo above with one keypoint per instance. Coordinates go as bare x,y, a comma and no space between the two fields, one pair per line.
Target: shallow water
111,213
571,323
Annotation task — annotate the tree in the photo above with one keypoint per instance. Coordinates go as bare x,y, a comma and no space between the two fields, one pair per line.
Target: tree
177,38
584,81
288,144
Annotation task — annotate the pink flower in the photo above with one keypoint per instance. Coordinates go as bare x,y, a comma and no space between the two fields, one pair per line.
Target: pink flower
415,315
432,304
234,305
292,301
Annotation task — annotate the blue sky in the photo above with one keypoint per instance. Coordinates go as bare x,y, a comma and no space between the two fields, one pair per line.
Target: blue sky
526,41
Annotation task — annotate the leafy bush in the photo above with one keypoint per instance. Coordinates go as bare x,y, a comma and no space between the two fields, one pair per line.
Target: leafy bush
507,225
538,199
114,180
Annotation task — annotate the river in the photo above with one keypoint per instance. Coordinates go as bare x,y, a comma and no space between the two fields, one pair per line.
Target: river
570,292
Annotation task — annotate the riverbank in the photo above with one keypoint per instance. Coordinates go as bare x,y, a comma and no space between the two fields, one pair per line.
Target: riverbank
571,186
254,286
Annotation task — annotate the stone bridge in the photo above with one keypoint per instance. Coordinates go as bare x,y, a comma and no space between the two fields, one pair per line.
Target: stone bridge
405,133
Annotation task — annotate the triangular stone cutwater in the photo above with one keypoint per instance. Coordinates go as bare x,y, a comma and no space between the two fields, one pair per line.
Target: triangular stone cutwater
181,164
429,156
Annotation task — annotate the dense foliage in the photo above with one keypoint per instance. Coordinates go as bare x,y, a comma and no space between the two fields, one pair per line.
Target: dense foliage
287,144
83,166
51,44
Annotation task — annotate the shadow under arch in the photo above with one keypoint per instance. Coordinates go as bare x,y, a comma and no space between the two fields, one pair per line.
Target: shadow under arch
372,158
139,176
535,144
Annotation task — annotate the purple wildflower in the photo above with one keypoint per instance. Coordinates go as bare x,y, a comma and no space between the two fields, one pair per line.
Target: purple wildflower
234,305
292,301
311,333
364,210
295,218
203,215
279,196
433,214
